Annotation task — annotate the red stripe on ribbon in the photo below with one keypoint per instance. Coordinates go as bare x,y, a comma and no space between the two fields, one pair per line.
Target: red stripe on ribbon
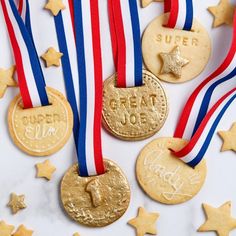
72,14
120,44
167,6
20,6
98,77
188,148
189,105
173,8
18,59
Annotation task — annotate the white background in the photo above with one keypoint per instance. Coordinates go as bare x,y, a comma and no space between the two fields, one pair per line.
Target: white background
44,213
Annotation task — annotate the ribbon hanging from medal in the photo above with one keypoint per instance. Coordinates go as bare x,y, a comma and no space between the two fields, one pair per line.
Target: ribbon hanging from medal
94,191
172,170
176,47
40,119
134,102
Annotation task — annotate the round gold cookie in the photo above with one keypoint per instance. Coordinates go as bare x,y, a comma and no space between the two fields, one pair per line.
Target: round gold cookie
134,113
165,178
194,47
41,131
95,201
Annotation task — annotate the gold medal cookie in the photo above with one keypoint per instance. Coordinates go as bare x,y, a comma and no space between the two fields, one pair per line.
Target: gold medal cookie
165,178
134,113
41,131
175,55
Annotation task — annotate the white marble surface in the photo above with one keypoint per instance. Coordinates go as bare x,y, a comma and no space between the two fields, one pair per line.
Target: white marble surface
44,213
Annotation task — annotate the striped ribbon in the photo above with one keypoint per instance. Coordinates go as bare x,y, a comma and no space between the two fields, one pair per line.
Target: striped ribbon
126,42
181,14
29,72
78,34
200,118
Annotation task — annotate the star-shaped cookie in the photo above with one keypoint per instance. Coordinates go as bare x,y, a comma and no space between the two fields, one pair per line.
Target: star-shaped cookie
223,13
16,203
55,6
52,57
173,62
218,219
6,230
45,170
145,3
23,231
229,139
145,222
7,80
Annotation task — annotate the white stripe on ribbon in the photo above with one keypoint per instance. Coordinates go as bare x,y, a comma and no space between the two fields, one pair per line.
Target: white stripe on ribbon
181,14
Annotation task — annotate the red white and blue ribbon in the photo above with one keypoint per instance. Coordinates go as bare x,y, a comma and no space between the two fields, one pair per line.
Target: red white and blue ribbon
78,34
29,72
181,14
126,42
200,115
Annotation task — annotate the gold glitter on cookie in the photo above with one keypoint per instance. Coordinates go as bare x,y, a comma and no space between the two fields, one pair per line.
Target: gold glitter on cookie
23,231
16,203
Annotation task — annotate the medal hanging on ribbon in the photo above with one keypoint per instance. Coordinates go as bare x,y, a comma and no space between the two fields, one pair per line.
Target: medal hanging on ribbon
176,47
40,120
94,191
134,102
172,170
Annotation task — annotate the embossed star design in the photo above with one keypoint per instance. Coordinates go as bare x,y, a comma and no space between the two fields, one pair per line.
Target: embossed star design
16,203
229,139
6,80
52,57
223,13
55,6
145,3
144,223
173,62
45,170
23,231
5,229
218,219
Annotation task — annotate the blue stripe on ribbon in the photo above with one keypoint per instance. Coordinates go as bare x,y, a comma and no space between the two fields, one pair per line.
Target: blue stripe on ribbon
67,73
204,148
137,43
34,60
207,98
189,15
83,171
27,19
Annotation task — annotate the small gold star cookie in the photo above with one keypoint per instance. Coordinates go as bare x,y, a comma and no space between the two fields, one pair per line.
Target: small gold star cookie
16,203
6,80
173,62
45,170
52,57
218,219
55,6
144,223
23,231
223,13
229,139
6,230
145,3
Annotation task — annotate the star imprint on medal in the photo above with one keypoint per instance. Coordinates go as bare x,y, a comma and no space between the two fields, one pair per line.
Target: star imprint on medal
16,203
173,62
7,80
52,57
229,139
45,170
55,6
145,222
5,229
218,219
223,13
23,231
